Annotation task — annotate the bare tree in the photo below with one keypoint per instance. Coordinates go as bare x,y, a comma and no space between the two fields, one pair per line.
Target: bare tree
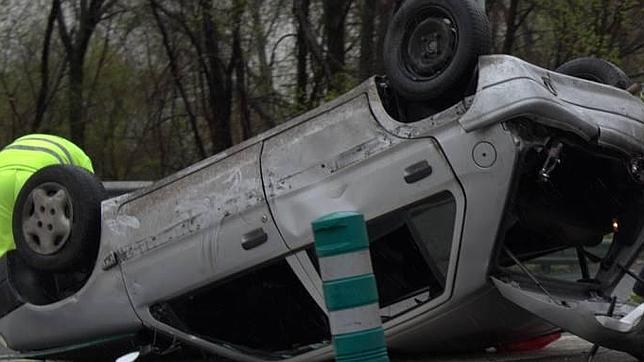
176,77
335,13
240,71
367,17
301,15
384,10
41,103
76,38
514,18
219,77
215,83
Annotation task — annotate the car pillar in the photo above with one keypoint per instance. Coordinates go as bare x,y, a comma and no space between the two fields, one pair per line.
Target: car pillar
349,286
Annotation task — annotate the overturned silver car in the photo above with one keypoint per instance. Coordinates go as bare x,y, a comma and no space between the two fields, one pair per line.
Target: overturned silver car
469,208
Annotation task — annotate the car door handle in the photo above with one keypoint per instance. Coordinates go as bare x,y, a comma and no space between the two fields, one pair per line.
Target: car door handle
417,172
254,239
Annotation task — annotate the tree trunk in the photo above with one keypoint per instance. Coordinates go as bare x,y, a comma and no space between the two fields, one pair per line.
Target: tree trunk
76,101
219,83
266,88
334,32
260,41
511,26
301,13
514,20
41,103
321,68
385,8
367,16
174,70
76,42
237,58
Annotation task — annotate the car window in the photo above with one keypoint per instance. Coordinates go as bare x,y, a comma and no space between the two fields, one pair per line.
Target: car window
264,312
410,252
267,311
434,224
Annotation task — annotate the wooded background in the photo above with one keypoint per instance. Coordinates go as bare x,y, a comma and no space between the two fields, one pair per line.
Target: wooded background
148,87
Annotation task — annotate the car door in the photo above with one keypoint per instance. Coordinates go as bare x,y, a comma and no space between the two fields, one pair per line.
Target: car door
342,160
194,228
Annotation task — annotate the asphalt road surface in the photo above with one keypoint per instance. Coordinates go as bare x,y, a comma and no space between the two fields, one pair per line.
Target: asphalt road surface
568,348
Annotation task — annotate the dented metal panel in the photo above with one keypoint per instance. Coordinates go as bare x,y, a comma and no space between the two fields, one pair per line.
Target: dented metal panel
312,170
188,233
347,161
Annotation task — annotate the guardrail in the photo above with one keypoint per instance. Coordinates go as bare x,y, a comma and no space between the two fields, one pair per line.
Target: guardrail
116,188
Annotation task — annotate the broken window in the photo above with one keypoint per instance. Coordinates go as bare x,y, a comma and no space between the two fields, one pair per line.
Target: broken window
410,252
266,311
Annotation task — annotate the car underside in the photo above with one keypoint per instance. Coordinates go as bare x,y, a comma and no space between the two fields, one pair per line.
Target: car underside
576,206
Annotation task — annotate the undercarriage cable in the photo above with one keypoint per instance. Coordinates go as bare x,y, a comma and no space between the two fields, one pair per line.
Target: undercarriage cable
528,273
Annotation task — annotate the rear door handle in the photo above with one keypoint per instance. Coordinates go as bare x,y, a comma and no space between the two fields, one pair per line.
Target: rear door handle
254,239
417,172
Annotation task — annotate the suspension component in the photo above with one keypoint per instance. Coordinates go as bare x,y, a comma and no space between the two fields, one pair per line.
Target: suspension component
553,159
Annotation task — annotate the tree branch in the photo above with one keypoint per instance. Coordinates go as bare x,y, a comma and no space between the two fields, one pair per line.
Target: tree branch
62,29
177,80
311,38
41,103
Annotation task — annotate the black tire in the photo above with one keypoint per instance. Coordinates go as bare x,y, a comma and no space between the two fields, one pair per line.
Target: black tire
596,70
57,219
432,47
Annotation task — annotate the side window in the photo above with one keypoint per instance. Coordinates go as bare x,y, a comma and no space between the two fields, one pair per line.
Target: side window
433,226
266,312
410,250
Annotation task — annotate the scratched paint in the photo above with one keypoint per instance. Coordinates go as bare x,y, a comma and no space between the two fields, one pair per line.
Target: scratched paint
189,231
198,201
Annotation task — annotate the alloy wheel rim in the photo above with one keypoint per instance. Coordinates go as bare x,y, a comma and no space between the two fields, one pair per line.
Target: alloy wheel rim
47,218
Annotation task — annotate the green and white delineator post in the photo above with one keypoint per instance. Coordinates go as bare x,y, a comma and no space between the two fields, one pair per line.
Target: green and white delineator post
349,285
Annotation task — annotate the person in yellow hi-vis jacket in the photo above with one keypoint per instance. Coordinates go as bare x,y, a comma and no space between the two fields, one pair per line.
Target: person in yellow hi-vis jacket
20,160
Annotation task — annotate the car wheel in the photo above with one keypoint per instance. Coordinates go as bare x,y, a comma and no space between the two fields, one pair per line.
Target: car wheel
57,219
432,47
596,70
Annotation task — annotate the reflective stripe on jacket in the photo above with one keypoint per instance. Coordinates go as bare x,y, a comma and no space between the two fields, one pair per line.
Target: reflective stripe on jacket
35,151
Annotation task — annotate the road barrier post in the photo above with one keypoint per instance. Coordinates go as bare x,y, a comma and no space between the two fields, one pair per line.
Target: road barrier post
349,285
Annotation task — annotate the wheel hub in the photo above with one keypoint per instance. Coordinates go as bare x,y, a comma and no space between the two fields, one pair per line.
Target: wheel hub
431,46
47,218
